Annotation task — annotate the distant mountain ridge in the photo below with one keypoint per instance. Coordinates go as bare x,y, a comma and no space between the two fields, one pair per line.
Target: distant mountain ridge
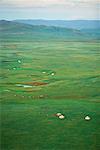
6,25
17,27
75,24
18,30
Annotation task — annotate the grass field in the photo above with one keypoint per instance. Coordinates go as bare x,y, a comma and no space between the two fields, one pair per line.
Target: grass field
39,79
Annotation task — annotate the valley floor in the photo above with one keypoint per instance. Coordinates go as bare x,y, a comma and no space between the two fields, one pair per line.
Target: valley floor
41,78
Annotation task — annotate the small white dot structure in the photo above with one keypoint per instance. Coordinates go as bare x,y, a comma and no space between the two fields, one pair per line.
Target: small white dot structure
58,114
87,118
19,61
52,74
43,72
61,117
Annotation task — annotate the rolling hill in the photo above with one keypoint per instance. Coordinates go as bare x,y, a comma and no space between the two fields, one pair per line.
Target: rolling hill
75,24
42,32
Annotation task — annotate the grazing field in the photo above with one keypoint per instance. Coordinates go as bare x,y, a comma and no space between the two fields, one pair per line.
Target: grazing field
41,78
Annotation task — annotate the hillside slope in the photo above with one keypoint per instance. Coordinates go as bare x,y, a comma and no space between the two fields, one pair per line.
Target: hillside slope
23,31
75,24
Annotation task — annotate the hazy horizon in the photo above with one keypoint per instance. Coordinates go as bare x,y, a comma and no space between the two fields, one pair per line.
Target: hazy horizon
49,9
46,19
51,19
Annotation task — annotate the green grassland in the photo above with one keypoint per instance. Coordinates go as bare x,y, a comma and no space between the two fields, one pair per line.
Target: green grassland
40,77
